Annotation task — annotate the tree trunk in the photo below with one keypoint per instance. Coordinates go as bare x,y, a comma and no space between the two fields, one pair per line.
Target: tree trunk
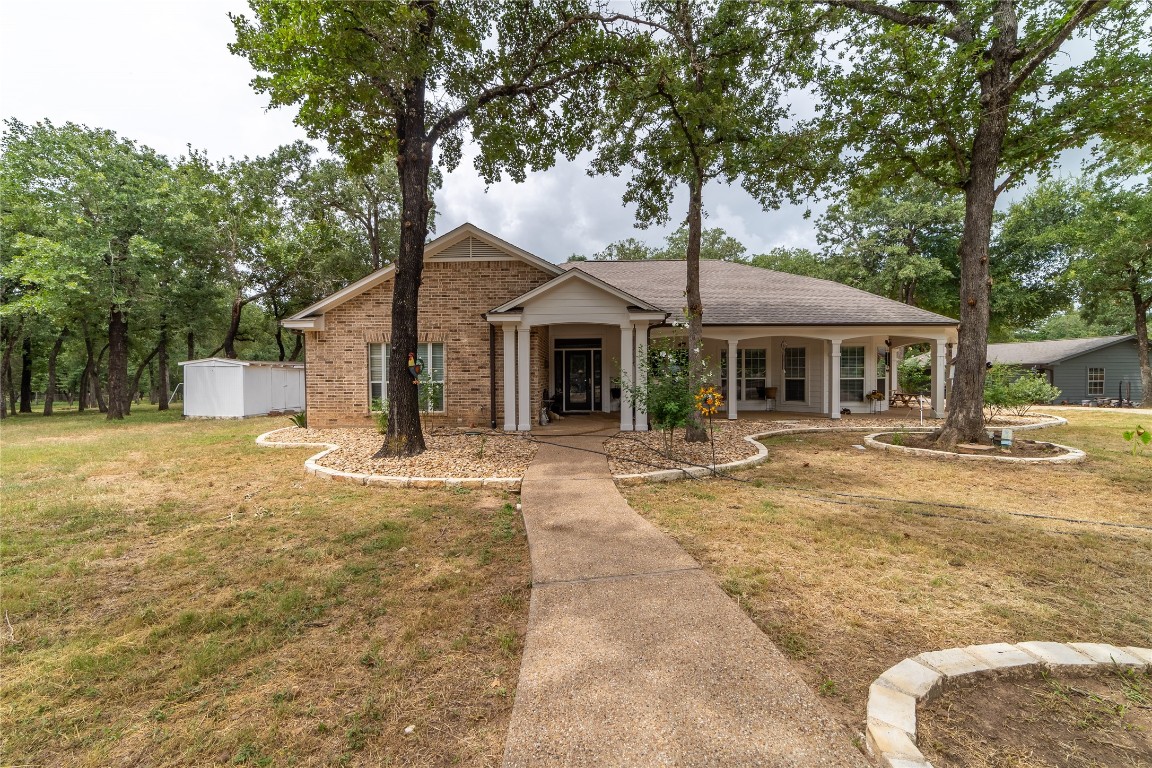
280,342
50,393
118,393
191,338
1142,305
11,335
234,327
139,375
26,376
695,431
298,347
965,418
162,381
12,390
413,163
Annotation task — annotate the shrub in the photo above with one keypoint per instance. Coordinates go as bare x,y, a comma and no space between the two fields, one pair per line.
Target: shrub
380,414
1012,389
665,396
300,419
913,376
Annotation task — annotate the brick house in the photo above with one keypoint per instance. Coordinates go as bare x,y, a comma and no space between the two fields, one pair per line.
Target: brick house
500,327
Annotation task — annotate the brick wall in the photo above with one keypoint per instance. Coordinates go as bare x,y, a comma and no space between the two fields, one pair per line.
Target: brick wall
454,295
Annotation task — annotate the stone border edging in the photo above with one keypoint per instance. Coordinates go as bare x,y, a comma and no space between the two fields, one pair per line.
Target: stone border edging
895,696
685,473
1071,455
313,467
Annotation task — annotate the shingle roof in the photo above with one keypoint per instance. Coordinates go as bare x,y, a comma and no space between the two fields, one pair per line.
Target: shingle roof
1047,352
739,294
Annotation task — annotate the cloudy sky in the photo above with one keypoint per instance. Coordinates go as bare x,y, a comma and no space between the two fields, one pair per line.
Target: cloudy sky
159,72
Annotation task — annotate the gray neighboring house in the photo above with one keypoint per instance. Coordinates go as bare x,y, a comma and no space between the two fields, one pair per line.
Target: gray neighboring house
1083,369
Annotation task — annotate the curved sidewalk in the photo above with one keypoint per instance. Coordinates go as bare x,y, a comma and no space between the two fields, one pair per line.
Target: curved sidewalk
634,657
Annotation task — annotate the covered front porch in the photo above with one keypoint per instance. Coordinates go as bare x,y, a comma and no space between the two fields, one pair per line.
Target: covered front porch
576,341
818,370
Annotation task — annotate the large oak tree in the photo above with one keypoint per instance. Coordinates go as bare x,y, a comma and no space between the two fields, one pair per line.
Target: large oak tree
397,80
971,95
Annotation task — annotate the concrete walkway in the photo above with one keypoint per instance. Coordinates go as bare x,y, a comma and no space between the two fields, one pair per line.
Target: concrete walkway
634,657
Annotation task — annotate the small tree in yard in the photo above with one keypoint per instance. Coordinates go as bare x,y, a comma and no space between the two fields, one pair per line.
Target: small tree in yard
1012,389
665,395
913,376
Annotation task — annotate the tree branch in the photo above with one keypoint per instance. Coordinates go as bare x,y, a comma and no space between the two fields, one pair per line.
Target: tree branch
1038,53
959,33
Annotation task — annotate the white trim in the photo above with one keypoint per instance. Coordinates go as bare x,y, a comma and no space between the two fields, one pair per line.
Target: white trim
576,274
524,387
306,324
509,378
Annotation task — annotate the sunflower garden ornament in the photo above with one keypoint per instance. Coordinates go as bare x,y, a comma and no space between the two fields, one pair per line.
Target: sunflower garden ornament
709,401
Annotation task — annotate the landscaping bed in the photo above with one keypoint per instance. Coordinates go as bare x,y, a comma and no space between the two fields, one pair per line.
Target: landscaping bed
451,453
1050,722
1021,449
639,452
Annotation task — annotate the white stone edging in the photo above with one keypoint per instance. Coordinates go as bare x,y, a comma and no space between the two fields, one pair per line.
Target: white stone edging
313,467
895,696
685,473
1071,455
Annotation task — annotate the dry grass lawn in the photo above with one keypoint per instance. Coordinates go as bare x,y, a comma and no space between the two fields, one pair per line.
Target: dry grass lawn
178,596
851,560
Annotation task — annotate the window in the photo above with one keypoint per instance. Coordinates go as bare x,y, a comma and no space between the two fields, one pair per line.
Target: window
1096,382
432,376
852,374
751,373
795,359
882,359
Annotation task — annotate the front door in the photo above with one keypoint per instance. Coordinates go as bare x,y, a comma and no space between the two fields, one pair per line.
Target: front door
578,380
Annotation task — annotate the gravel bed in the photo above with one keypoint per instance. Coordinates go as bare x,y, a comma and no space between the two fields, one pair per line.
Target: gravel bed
454,454
637,452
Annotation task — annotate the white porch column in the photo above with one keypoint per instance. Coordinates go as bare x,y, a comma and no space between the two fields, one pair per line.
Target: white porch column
834,380
523,390
509,378
627,376
733,346
939,374
605,381
641,337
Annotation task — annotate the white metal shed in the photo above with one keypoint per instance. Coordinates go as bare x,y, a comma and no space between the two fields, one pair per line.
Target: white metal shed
218,388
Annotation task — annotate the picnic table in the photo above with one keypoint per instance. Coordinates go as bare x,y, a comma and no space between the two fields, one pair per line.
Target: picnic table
905,399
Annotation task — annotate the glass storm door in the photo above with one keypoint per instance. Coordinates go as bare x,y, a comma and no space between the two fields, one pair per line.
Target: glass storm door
577,380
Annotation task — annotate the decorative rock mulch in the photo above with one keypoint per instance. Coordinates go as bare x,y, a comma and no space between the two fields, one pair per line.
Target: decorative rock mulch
895,696
451,455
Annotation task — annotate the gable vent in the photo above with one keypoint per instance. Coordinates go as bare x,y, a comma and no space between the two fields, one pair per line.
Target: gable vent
472,248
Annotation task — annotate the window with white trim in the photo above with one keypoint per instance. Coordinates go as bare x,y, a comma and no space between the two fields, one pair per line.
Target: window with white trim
751,373
852,374
1096,382
432,375
795,374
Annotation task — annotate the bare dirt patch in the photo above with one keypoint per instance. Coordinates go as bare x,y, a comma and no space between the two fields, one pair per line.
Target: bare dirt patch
1051,722
1020,449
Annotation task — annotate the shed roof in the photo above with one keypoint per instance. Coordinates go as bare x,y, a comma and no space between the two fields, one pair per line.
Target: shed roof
1049,352
741,294
225,361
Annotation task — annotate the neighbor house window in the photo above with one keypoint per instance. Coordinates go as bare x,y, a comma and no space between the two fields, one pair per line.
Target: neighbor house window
795,364
432,353
1096,381
852,374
